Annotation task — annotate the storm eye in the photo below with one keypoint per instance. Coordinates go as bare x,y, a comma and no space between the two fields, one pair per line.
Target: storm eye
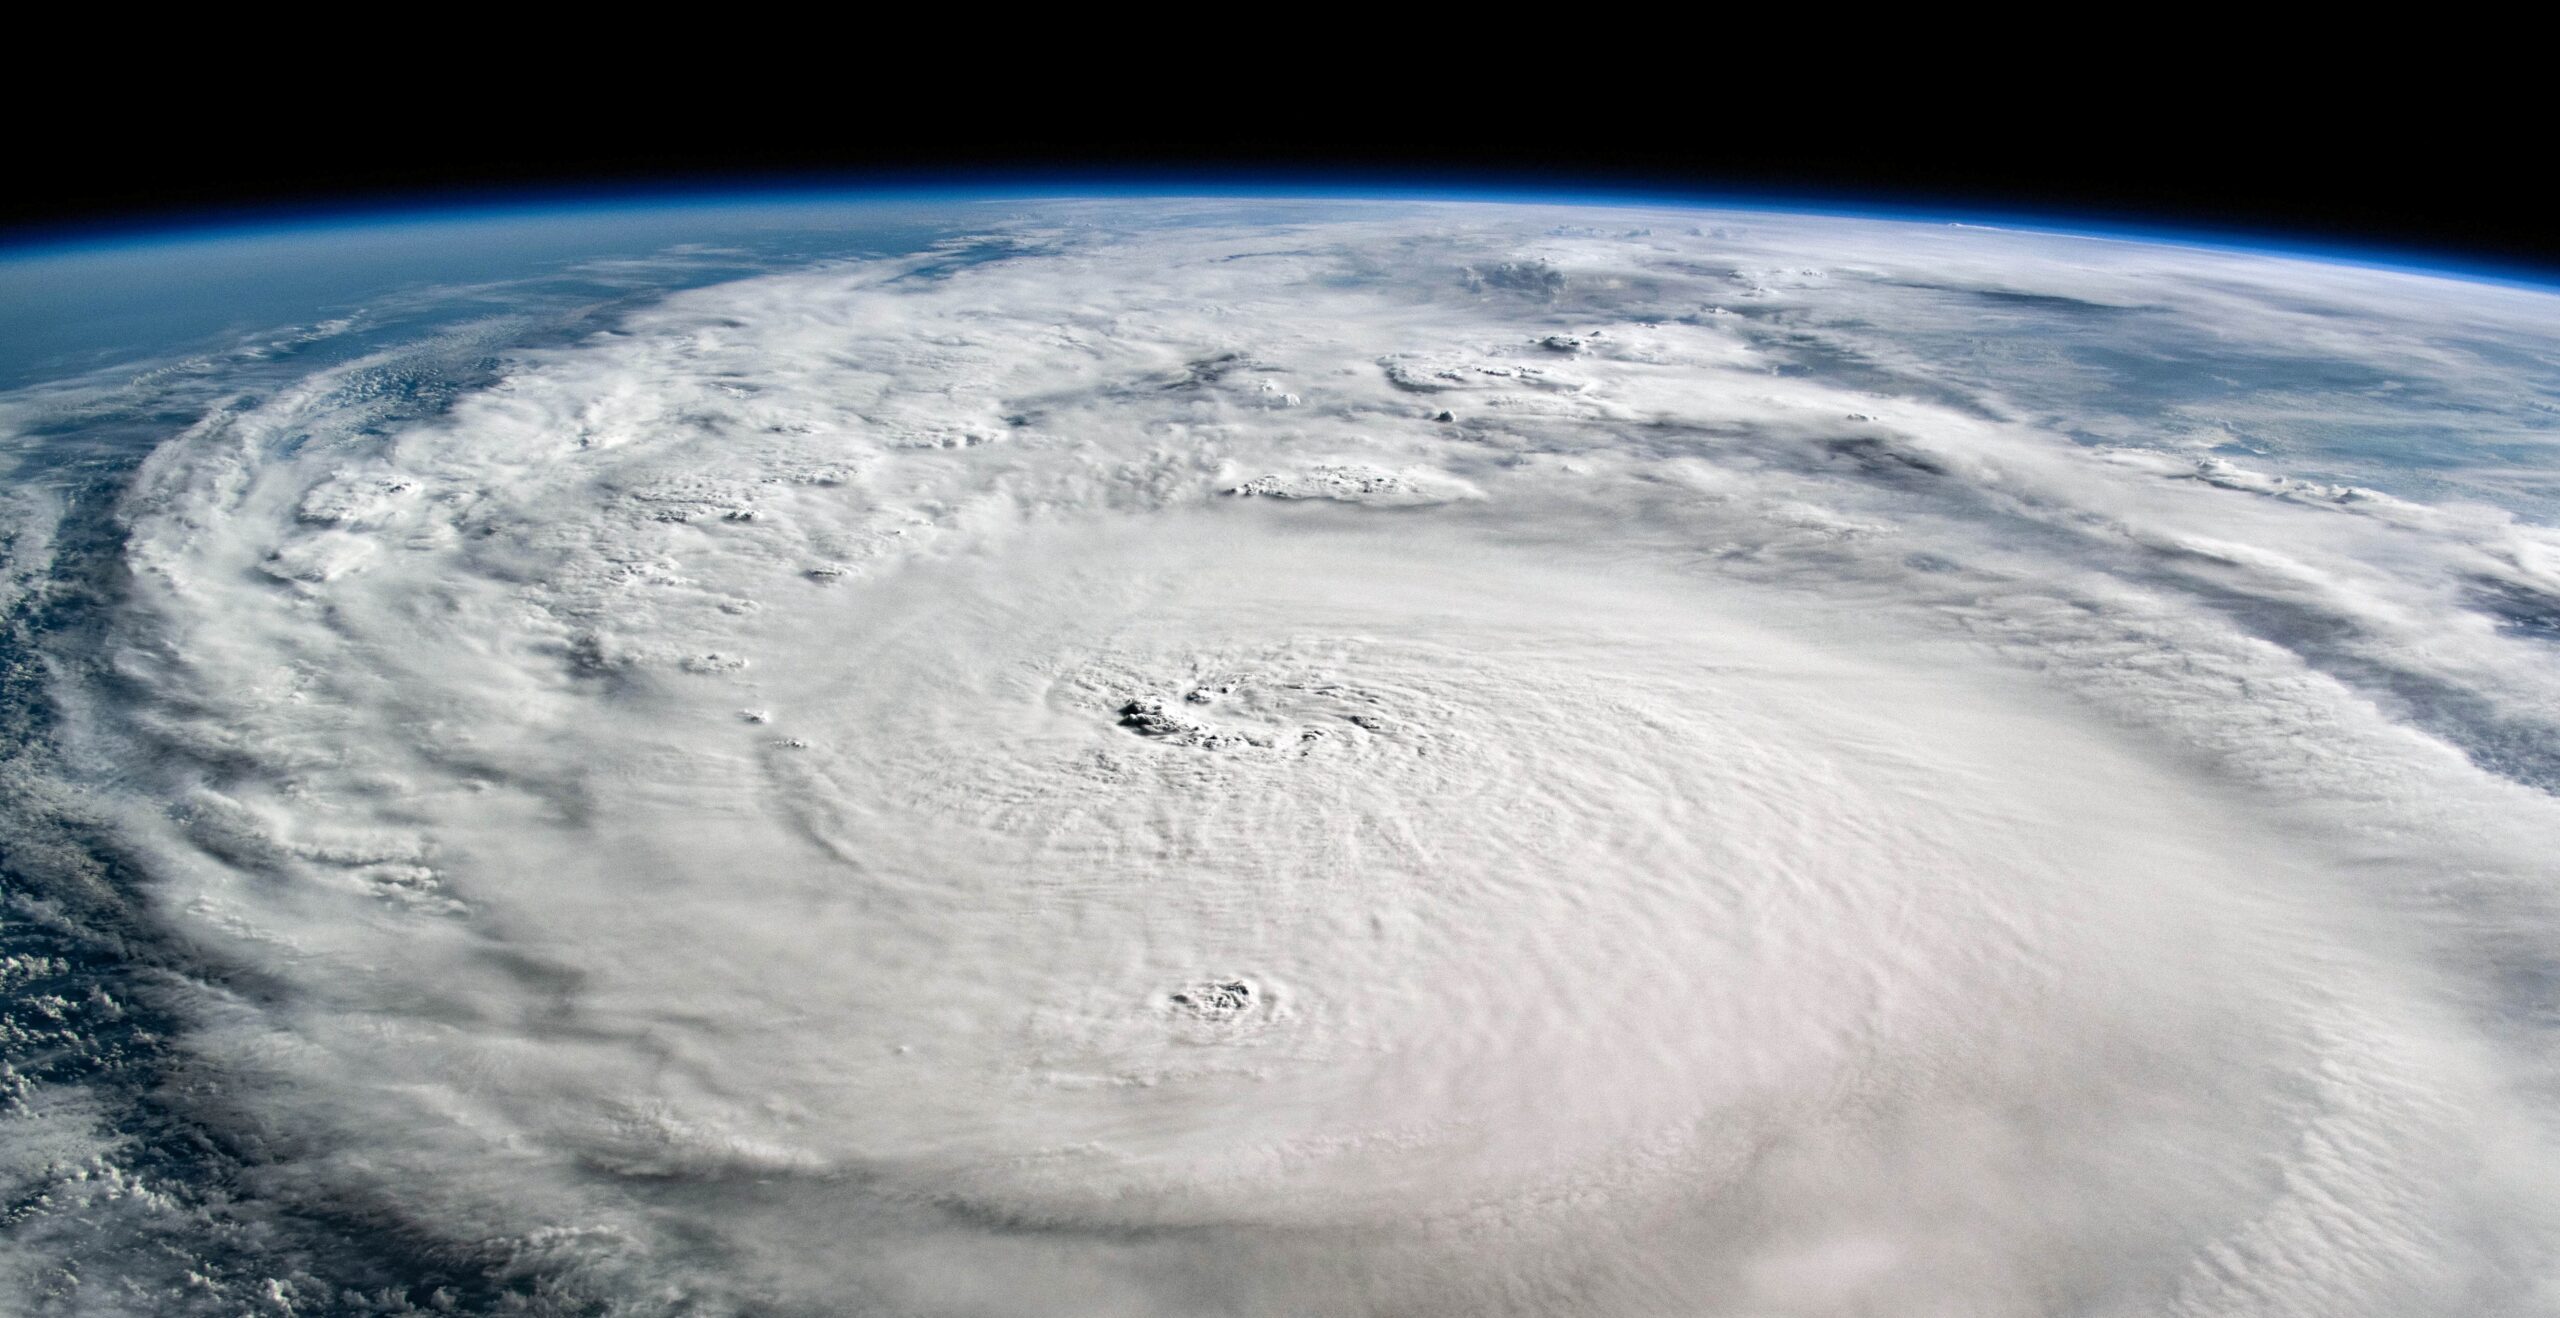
1214,1000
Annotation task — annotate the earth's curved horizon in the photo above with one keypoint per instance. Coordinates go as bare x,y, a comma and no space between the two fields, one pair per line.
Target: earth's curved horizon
1274,755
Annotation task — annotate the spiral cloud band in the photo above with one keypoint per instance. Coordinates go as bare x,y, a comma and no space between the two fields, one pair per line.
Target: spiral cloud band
1161,760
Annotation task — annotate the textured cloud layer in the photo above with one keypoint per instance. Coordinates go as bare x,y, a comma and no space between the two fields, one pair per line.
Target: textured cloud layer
1404,760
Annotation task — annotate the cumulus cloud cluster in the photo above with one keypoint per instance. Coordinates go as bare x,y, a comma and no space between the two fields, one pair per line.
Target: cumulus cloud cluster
1401,760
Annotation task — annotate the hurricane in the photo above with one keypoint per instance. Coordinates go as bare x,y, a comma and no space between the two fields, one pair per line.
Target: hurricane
1182,757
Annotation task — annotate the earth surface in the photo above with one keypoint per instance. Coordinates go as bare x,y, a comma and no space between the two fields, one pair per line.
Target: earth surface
1273,756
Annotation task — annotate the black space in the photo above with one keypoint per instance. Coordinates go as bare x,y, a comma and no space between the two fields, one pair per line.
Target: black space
2349,174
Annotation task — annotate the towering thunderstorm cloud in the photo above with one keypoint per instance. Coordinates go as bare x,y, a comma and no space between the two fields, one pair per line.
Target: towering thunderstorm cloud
1193,759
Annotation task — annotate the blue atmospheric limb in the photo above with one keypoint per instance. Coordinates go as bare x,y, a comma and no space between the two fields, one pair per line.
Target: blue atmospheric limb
701,195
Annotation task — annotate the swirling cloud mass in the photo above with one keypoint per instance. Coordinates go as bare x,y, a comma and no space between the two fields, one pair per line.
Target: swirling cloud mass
1401,760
